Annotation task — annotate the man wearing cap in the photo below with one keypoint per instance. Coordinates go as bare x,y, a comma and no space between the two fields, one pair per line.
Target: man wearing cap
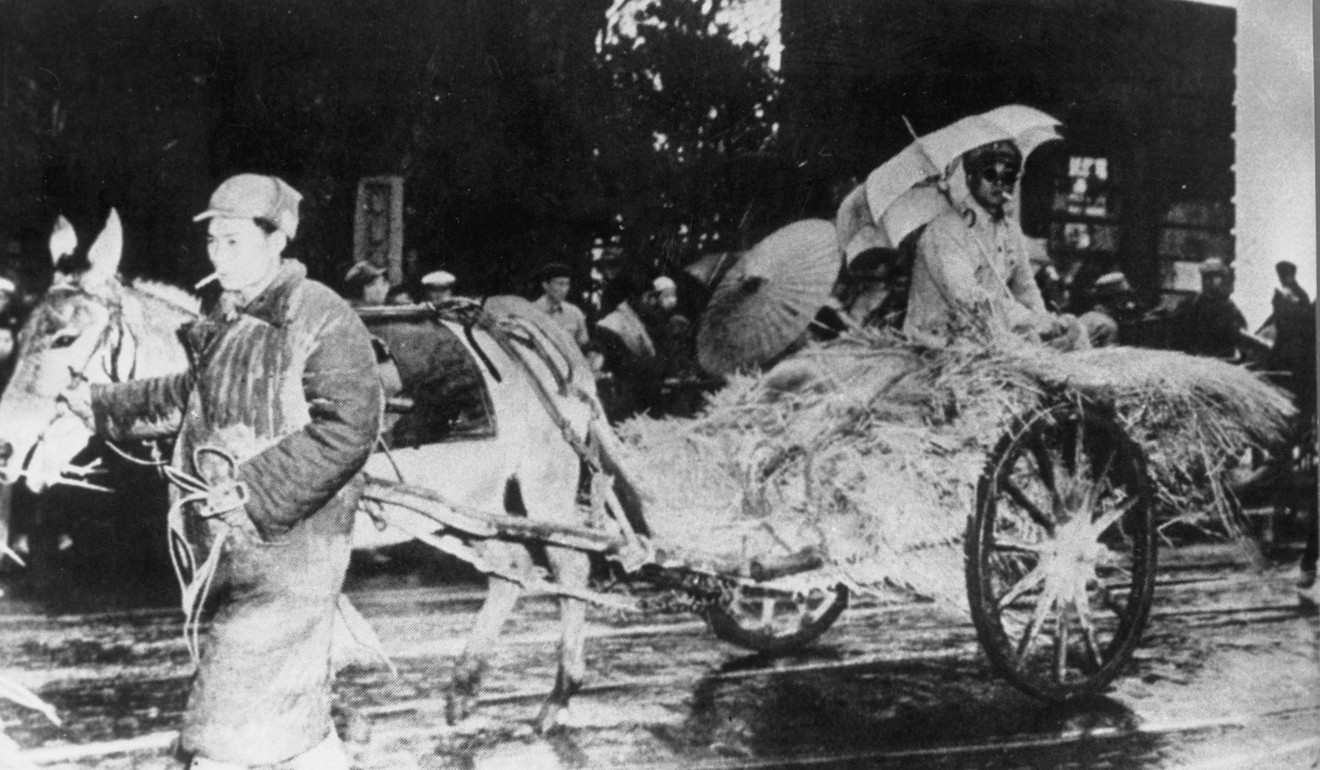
1292,362
1213,321
1111,295
439,286
277,415
366,284
556,281
973,280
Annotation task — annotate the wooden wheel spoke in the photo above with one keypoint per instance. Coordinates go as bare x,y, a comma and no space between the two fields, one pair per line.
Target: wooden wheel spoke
1061,644
1033,628
1109,518
1096,486
1073,459
1020,497
1044,463
1009,545
1028,582
1088,637
1123,572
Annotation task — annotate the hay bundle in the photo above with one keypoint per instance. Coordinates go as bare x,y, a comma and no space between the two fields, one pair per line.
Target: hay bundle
870,448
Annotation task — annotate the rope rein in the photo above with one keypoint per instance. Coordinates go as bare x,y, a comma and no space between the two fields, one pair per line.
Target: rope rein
210,501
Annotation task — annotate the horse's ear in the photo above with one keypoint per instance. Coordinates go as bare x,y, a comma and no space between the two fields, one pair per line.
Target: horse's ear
105,252
63,240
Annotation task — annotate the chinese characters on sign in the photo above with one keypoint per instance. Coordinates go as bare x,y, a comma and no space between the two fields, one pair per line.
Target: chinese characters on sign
378,224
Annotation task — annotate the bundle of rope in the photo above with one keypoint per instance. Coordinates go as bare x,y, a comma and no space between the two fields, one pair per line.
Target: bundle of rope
218,501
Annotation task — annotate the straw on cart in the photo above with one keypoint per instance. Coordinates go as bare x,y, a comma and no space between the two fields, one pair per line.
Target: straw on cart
869,448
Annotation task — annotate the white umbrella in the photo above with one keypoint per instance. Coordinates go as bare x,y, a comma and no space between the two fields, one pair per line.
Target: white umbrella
909,189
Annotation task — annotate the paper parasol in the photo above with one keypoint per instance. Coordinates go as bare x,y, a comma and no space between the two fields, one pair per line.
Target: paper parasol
769,298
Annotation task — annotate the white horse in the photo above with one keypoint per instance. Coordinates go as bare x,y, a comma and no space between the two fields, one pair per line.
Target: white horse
93,325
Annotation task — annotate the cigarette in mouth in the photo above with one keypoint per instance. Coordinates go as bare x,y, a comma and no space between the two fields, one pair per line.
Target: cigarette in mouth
208,279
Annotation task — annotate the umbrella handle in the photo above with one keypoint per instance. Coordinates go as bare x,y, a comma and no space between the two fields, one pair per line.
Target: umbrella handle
911,130
942,174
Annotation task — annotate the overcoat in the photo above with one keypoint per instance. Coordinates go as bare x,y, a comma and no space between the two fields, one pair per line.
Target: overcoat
287,386
972,270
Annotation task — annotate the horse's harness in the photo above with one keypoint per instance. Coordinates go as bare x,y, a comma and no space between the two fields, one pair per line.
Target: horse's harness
505,332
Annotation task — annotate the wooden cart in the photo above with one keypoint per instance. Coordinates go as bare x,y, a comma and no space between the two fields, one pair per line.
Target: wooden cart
1060,558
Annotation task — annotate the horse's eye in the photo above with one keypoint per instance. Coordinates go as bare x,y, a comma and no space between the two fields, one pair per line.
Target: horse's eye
64,341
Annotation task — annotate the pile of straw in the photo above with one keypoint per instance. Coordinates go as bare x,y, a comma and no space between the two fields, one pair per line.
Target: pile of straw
871,448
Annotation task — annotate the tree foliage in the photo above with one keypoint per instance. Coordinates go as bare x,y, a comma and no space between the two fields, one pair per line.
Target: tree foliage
526,131
689,109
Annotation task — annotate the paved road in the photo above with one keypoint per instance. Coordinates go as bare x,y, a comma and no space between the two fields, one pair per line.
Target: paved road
1227,676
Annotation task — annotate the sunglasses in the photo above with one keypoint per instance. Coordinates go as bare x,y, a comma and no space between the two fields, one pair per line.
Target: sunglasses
1007,177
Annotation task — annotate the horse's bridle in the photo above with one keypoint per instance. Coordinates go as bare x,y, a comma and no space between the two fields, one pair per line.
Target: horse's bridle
114,327
78,375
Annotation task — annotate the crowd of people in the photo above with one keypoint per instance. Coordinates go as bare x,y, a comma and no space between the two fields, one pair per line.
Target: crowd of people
636,345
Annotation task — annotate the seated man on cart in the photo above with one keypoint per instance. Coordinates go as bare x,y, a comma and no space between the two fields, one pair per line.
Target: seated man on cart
973,280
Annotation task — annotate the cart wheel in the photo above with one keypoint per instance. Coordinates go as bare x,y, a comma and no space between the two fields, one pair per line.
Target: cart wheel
1061,552
774,621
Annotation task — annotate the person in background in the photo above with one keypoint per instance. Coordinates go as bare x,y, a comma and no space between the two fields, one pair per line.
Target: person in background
1111,297
634,362
1050,284
605,291
556,282
973,279
399,295
8,296
8,347
276,416
1293,353
875,288
366,285
672,332
1292,362
438,287
1213,321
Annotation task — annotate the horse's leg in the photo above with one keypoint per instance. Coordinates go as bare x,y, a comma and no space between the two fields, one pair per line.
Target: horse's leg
6,518
550,485
571,568
501,596
46,554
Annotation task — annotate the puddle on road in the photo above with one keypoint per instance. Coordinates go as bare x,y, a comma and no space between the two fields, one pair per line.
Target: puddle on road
882,706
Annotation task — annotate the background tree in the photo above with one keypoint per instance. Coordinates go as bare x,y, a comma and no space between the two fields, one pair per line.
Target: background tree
526,131
685,152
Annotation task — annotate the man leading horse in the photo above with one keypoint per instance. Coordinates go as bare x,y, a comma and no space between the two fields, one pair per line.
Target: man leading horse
275,418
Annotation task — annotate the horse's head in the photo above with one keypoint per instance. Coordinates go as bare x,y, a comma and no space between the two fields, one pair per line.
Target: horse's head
76,332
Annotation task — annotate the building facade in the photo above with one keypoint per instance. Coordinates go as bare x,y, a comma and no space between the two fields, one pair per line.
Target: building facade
1144,180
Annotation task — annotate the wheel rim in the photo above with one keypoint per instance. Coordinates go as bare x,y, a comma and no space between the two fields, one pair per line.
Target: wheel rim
1065,553
777,614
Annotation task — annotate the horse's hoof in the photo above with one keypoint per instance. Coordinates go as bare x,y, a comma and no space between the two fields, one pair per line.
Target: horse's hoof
551,718
357,727
459,707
